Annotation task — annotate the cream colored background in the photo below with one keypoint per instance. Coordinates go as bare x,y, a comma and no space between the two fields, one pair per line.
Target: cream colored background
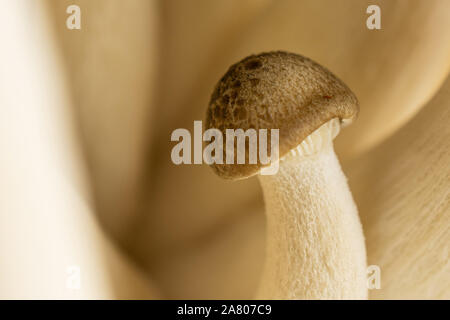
85,125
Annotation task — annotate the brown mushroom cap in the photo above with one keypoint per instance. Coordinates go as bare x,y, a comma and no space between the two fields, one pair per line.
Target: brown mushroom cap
277,90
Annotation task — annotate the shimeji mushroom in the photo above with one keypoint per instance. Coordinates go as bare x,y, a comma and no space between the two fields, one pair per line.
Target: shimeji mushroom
315,243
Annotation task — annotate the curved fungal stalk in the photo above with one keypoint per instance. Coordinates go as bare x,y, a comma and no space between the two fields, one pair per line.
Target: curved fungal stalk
315,247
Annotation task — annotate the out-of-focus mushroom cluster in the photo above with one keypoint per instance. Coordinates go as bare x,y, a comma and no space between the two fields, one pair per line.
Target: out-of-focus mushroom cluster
85,126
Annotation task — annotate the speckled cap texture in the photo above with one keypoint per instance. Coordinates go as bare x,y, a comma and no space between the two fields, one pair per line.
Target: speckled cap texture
277,90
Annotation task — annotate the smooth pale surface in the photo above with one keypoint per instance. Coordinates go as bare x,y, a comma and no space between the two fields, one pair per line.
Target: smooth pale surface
223,264
402,189
194,36
111,64
46,220
192,33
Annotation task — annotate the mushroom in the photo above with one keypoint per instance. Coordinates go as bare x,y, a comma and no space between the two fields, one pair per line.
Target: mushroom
315,244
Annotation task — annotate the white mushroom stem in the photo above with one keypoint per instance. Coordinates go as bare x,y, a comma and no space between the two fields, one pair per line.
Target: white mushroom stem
315,244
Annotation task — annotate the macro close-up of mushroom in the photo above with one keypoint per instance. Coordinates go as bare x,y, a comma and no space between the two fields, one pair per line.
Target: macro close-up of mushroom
349,104
315,245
